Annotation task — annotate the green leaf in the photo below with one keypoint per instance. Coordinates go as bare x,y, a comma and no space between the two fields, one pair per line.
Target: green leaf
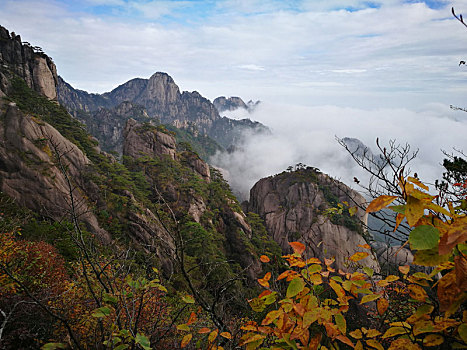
109,298
295,287
429,257
340,322
53,346
101,312
424,237
463,332
122,347
370,297
142,340
398,208
183,327
369,271
188,299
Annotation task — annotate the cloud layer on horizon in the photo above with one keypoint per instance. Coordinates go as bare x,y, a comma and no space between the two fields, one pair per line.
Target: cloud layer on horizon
308,135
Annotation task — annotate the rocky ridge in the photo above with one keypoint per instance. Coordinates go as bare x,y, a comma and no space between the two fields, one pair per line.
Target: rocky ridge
162,101
29,63
292,205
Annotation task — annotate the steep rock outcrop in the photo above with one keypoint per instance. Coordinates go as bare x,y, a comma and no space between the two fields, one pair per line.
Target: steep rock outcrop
292,204
223,103
29,63
164,103
29,173
139,141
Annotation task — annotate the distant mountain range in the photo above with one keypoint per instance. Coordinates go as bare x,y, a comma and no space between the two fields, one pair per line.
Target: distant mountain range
157,100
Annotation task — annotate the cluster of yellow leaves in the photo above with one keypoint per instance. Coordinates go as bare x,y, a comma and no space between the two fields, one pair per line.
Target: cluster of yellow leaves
304,319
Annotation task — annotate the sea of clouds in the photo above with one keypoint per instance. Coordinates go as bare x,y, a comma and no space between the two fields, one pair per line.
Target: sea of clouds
308,135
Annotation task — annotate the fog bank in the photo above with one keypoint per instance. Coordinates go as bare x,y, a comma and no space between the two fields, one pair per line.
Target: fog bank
308,135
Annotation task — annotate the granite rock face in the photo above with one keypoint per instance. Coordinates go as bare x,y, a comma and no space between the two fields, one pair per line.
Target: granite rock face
292,206
223,103
27,62
29,172
139,142
163,102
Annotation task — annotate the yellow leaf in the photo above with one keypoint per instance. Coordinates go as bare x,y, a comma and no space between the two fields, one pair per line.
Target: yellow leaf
403,344
374,344
366,246
358,256
186,339
373,333
264,259
213,335
414,210
417,292
297,247
271,316
183,327
356,334
370,297
422,327
379,203
393,331
433,340
417,182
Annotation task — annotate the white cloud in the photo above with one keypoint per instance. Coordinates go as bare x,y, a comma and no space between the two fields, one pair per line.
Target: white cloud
253,67
307,135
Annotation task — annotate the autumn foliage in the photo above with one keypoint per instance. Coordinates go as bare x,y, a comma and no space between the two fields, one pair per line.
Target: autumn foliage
421,307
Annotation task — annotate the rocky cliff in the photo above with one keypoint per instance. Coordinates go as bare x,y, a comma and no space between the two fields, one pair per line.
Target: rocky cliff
28,62
161,98
197,195
29,171
292,205
223,104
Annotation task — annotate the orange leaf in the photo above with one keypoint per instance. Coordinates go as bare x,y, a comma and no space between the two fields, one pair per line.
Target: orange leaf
186,339
404,269
447,290
297,247
264,281
226,335
264,259
192,319
461,272
399,218
382,305
286,274
379,203
345,340
366,246
264,293
204,330
358,256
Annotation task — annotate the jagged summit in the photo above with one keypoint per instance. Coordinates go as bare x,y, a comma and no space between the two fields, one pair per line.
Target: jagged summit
163,102
232,103
28,62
